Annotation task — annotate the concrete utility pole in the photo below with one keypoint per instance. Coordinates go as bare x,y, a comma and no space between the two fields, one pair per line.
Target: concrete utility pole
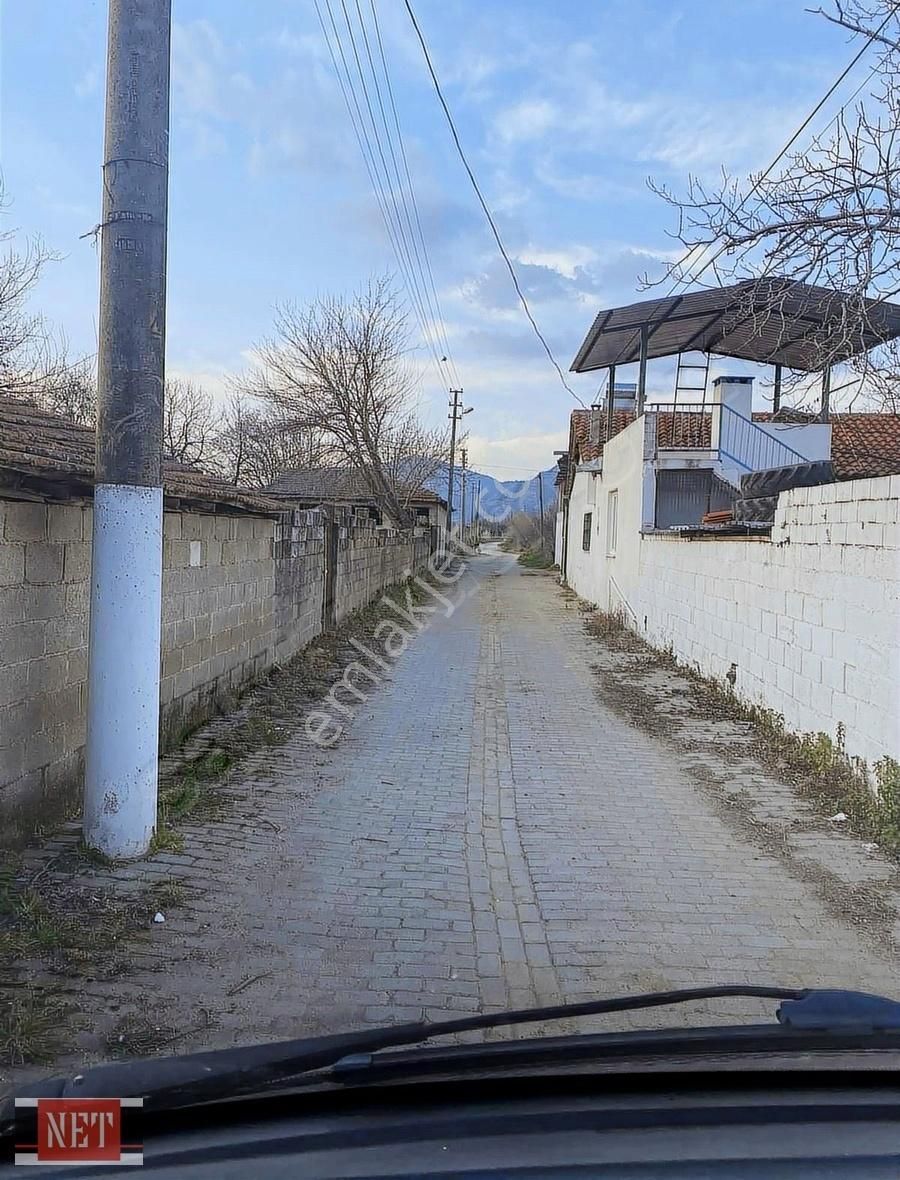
541,498
464,457
455,415
455,407
126,581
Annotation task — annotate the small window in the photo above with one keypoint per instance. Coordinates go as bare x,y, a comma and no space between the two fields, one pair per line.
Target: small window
586,531
612,522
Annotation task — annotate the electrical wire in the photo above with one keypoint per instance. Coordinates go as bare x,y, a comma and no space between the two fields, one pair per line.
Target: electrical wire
412,192
484,206
351,100
793,139
416,293
689,278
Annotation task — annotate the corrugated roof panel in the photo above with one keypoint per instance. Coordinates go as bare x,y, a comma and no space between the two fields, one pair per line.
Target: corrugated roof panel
764,320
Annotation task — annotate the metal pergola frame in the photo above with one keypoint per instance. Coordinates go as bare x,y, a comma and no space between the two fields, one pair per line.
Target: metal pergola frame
835,327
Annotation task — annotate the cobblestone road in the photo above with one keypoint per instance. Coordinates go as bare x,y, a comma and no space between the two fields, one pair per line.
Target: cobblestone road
487,834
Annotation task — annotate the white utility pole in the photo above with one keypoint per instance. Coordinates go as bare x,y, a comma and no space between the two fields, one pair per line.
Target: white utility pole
126,581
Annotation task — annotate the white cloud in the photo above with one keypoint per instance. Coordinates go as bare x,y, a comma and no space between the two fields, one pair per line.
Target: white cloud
273,99
525,121
517,457
566,260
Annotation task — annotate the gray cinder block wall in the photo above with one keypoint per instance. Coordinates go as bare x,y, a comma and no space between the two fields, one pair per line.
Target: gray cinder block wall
240,593
370,559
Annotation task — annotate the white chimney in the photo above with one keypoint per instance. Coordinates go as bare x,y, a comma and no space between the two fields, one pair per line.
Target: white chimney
735,396
736,393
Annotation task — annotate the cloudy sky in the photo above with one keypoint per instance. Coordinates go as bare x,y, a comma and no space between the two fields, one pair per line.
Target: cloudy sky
565,109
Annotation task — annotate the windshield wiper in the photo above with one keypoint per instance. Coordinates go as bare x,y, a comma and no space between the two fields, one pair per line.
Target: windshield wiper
171,1082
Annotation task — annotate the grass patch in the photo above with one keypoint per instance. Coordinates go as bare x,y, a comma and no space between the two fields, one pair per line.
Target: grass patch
189,791
165,839
815,763
535,558
54,930
30,1023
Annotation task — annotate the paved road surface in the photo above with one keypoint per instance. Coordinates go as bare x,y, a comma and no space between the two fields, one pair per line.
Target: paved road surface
488,834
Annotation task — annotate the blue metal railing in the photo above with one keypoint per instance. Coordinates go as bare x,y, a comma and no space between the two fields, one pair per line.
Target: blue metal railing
723,433
750,446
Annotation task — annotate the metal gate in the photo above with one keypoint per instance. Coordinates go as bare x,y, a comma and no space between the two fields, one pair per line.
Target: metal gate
684,497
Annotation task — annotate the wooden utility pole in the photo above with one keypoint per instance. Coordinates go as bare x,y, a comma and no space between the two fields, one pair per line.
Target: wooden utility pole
121,764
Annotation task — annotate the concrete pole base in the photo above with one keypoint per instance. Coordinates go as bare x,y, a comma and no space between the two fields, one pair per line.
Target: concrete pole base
123,679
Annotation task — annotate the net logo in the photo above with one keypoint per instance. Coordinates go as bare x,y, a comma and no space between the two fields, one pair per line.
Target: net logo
78,1131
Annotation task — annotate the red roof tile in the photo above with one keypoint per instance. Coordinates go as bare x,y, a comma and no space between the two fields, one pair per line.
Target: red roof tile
862,445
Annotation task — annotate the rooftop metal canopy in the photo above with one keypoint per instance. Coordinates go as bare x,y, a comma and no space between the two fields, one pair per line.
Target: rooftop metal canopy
770,321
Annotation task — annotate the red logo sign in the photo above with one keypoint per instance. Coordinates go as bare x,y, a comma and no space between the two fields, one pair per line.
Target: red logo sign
76,1130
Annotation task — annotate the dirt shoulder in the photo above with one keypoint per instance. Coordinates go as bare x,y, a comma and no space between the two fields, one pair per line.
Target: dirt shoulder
793,796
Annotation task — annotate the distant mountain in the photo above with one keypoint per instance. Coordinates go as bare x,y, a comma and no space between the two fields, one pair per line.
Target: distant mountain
498,498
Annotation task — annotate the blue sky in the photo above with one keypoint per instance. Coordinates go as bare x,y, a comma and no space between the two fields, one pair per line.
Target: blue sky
564,109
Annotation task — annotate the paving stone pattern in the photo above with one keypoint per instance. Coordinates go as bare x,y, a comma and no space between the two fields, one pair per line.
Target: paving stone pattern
487,834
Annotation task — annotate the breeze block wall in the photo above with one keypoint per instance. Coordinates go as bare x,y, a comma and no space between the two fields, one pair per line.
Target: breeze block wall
45,569
808,623
241,593
372,559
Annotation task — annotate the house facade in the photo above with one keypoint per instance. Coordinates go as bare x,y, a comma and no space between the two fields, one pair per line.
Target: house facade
344,487
761,548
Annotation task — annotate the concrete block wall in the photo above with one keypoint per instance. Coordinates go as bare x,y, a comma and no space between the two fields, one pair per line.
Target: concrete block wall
45,569
372,559
218,617
240,593
299,582
809,622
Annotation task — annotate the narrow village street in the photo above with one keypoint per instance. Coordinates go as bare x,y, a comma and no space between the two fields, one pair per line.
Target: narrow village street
487,834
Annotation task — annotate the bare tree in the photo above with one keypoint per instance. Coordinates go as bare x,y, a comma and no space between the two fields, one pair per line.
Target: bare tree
190,422
68,389
339,367
413,454
29,354
522,529
830,216
256,442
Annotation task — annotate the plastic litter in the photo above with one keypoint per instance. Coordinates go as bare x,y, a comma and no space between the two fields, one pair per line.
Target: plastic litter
839,818
158,917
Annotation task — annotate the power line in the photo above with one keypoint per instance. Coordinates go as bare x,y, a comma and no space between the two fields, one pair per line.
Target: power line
421,285
484,206
793,139
412,193
405,239
414,292
354,110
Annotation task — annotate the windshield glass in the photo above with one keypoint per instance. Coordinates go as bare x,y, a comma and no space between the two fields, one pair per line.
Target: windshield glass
441,573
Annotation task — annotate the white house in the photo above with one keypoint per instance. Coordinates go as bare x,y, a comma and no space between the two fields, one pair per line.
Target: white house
801,612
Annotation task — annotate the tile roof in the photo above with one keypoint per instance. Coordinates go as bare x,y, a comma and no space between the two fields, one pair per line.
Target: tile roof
51,454
686,429
581,446
862,445
336,485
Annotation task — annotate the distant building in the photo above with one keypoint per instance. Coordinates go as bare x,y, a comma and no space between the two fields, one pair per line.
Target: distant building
344,487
